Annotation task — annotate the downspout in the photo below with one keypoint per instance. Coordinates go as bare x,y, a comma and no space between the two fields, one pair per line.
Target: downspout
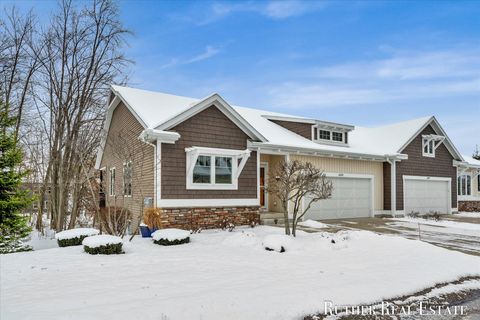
154,168
393,185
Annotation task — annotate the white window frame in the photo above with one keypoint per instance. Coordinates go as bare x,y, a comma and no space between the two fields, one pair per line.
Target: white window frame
111,181
239,159
461,181
331,140
131,178
433,141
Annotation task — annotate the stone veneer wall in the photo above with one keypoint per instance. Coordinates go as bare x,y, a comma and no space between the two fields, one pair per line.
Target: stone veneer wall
469,206
208,218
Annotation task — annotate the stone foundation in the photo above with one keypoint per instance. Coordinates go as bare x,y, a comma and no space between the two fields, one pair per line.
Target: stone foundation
469,206
208,218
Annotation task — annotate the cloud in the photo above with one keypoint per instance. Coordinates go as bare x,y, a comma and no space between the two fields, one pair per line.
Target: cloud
209,52
275,9
399,77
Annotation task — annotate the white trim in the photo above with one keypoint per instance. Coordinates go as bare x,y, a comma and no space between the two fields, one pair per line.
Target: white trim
163,136
282,150
216,100
446,179
192,155
158,173
264,165
195,203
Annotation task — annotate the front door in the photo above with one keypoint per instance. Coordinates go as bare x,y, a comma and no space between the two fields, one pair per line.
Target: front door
263,194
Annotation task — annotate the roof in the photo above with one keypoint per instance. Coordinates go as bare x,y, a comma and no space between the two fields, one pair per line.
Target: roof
155,109
471,160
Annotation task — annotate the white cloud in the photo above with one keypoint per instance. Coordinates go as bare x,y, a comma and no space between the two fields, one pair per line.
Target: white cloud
208,53
275,9
400,77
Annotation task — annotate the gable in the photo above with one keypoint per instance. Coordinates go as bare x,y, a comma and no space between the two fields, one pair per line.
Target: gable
414,148
433,127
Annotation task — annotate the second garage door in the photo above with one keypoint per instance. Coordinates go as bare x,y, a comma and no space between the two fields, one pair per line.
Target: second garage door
351,198
424,195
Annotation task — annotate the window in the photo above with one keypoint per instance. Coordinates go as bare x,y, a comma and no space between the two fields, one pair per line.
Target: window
214,169
428,147
127,178
223,170
464,185
324,134
337,136
334,136
112,182
202,170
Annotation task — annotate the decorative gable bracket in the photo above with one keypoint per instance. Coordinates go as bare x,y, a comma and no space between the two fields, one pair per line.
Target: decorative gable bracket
430,143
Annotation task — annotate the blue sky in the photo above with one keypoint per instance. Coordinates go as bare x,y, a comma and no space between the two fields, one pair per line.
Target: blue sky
361,63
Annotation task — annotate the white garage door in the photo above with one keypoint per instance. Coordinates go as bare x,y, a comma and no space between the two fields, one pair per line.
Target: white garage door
424,196
351,198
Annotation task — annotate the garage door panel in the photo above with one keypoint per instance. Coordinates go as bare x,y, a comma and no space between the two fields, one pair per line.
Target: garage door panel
351,198
424,196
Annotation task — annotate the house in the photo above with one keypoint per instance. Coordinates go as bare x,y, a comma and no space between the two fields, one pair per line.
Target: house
204,160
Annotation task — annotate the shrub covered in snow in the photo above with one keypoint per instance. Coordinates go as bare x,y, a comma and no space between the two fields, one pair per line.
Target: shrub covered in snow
168,237
74,237
277,242
103,244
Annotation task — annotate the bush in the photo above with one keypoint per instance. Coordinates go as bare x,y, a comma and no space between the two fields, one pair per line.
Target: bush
112,248
74,237
171,237
77,241
165,242
152,218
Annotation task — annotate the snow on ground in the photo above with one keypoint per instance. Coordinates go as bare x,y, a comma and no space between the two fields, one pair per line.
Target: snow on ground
443,223
39,241
468,214
313,224
223,275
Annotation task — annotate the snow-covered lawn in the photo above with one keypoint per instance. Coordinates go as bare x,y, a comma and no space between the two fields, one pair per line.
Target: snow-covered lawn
223,275
468,214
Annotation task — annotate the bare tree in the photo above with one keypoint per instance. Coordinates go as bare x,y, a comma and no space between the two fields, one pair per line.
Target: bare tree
80,56
300,184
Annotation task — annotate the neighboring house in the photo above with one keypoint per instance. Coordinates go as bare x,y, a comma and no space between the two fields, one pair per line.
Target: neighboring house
205,160
468,185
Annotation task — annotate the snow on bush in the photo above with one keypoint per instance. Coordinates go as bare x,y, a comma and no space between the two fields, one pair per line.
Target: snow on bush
168,237
103,244
74,237
277,242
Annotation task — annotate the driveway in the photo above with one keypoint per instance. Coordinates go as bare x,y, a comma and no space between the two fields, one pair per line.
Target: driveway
454,232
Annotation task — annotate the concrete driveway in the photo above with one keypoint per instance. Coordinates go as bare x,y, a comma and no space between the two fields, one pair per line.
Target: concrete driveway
454,232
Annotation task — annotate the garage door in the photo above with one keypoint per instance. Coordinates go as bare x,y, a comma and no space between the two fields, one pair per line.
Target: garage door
424,196
351,198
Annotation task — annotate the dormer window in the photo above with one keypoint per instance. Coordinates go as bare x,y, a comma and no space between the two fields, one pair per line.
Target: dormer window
329,136
337,136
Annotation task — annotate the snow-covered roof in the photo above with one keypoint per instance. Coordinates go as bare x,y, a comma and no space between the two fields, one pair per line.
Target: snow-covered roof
471,160
155,109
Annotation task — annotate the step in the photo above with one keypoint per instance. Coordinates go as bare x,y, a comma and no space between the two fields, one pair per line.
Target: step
271,215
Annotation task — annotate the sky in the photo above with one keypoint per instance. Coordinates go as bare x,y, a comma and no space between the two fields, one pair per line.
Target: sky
364,63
